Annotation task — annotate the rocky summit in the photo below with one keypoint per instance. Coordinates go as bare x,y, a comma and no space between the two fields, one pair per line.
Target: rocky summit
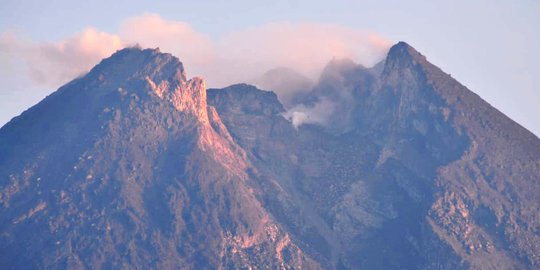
398,166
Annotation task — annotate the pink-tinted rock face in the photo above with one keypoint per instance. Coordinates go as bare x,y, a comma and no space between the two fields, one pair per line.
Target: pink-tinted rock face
187,96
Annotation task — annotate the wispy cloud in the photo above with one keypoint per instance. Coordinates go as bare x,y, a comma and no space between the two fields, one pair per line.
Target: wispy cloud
52,64
305,47
239,56
194,49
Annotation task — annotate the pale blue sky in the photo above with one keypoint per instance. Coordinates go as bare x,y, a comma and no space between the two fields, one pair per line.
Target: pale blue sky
493,47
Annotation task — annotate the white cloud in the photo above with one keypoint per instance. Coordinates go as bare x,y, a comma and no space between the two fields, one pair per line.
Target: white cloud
194,49
239,56
304,47
52,64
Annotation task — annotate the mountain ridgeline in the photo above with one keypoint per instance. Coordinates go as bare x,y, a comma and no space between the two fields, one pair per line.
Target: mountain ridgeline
399,166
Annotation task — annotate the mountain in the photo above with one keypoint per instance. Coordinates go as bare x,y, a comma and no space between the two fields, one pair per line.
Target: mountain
398,166
127,167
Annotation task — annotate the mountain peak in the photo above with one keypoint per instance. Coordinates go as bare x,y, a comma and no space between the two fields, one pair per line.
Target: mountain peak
403,55
133,62
134,68
138,49
403,48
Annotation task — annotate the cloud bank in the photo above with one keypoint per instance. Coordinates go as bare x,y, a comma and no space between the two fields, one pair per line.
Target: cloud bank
240,56
304,47
52,64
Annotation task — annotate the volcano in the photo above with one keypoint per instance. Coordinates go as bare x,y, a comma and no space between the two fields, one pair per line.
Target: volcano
398,166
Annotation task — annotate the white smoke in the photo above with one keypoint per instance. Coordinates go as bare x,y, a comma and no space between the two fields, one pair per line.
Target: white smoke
319,113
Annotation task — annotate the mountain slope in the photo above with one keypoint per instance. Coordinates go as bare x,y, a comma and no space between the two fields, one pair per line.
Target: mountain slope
493,187
122,168
392,167
411,170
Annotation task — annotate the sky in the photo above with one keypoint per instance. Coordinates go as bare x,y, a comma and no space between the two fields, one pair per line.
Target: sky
492,47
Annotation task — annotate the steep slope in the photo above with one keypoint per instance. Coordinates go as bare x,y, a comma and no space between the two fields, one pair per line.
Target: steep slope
487,201
347,205
127,167
410,170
